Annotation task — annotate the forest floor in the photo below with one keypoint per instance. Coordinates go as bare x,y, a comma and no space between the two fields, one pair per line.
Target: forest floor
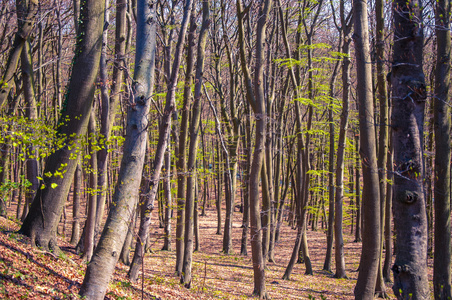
29,273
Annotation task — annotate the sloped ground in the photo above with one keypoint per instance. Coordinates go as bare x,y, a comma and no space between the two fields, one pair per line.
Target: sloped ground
27,273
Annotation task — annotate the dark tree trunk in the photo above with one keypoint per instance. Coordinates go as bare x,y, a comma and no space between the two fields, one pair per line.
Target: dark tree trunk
255,96
442,258
409,94
45,212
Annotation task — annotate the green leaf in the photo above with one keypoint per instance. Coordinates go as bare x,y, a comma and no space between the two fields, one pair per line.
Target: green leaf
53,185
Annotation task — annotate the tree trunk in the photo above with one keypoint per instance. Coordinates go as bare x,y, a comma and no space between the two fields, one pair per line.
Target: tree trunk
102,264
193,150
168,204
338,217
181,163
256,99
109,103
32,164
442,258
26,13
380,289
164,136
76,205
409,94
365,285
92,195
45,212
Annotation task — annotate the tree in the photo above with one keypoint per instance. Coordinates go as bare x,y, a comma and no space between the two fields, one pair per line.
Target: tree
106,254
255,96
45,212
365,285
408,101
442,254
164,136
26,13
193,149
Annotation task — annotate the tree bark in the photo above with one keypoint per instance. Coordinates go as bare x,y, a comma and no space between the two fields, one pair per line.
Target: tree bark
193,150
442,254
26,13
102,264
409,94
32,165
164,136
256,99
181,163
45,212
365,285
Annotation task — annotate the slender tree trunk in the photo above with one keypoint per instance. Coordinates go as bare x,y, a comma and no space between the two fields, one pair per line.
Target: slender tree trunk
92,195
76,205
181,163
193,150
110,102
357,192
331,187
26,13
409,94
102,264
31,163
338,217
256,99
388,217
365,285
168,204
443,252
380,289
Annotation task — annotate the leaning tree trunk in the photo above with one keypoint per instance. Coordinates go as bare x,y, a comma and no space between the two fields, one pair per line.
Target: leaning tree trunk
26,13
164,136
102,264
442,259
45,212
365,285
408,102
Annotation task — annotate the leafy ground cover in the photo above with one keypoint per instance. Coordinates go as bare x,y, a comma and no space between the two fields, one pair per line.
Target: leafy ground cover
29,273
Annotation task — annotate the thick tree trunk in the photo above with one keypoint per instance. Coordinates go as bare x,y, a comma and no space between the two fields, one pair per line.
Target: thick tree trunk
442,258
45,212
365,285
409,94
102,264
